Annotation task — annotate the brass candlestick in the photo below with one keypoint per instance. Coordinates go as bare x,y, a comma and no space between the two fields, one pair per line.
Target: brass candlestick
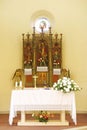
35,78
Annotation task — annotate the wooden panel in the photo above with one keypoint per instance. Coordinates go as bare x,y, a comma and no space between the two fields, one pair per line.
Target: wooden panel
28,81
55,78
42,79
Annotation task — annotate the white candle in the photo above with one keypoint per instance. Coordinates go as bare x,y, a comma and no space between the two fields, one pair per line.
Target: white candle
20,83
16,84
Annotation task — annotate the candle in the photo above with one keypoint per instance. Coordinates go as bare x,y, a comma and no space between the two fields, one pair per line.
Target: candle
16,84
20,83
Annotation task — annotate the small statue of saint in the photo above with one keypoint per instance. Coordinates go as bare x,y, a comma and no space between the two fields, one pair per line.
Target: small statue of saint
18,78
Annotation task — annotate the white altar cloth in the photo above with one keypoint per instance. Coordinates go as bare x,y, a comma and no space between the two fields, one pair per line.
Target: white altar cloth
40,99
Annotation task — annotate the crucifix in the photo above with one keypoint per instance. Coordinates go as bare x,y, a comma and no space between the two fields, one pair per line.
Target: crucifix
35,77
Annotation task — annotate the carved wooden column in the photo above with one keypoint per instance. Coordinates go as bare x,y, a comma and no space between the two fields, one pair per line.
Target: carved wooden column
34,54
50,65
23,50
61,48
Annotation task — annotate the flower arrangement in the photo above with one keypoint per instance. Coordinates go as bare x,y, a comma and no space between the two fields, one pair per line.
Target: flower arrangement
65,84
42,116
42,62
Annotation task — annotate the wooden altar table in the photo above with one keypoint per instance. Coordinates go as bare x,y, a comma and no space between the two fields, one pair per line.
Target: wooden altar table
40,99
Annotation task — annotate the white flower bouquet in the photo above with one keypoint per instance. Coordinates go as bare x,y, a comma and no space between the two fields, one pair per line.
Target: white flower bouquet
66,85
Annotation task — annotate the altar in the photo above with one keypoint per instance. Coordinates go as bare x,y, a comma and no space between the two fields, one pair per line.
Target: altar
38,99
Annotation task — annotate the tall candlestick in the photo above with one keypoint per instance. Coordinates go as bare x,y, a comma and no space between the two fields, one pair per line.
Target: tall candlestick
35,77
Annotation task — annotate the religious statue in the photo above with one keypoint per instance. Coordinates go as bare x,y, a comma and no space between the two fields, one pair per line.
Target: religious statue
43,54
65,73
56,55
18,78
27,56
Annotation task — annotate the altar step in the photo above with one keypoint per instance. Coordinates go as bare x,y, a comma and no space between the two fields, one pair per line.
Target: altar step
37,123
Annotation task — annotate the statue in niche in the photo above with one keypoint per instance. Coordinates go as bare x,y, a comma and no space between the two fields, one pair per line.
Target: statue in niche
42,24
56,56
42,54
27,56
